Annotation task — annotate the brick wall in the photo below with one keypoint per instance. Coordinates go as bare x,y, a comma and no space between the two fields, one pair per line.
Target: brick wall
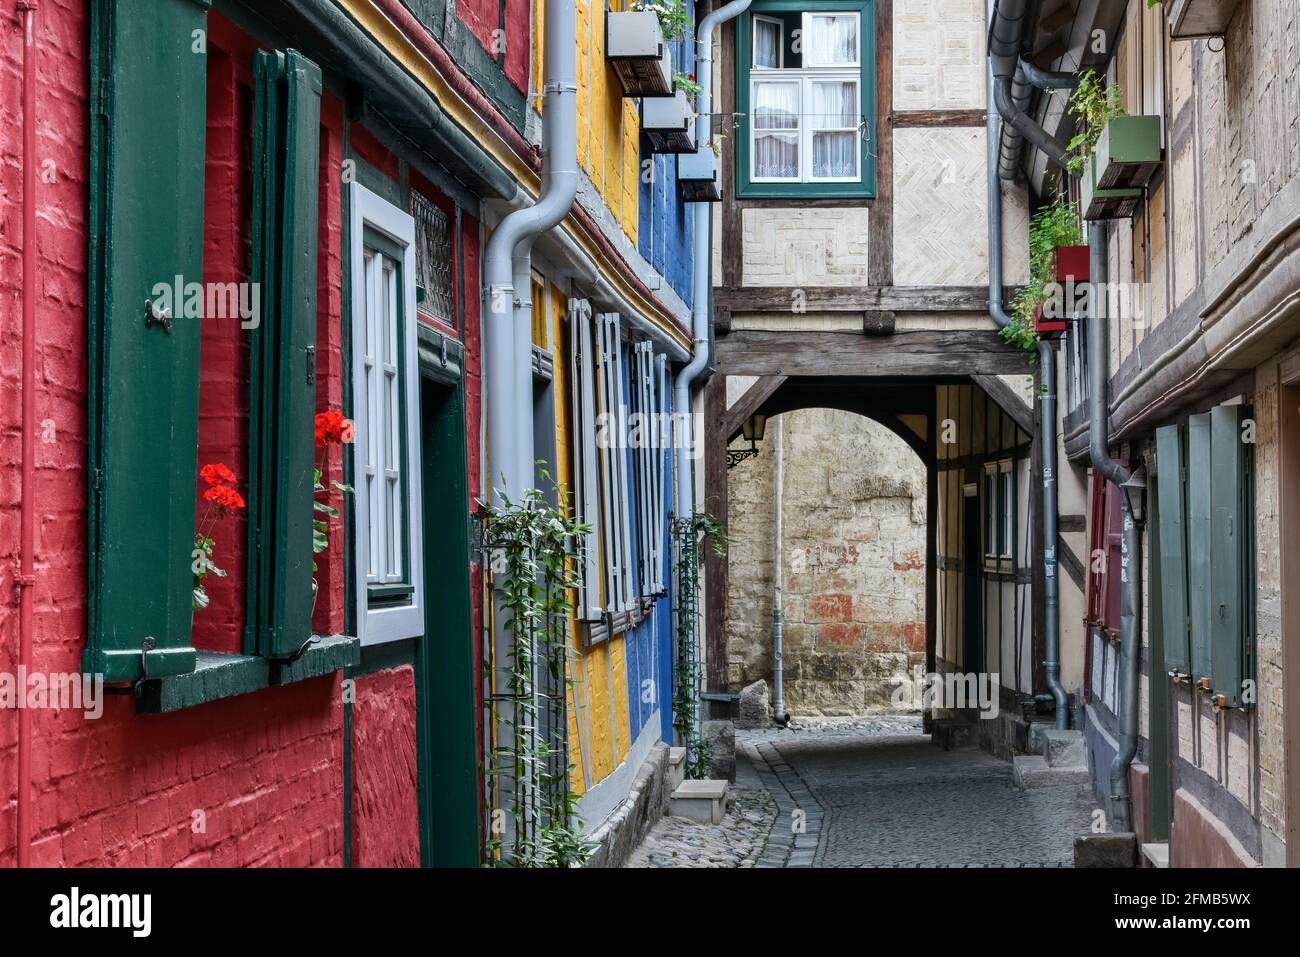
247,781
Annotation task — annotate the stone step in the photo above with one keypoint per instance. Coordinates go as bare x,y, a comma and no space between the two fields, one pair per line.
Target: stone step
1033,771
703,801
676,768
1156,855
1061,748
952,734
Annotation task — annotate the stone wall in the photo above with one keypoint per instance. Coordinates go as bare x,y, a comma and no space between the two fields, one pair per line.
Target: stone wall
854,563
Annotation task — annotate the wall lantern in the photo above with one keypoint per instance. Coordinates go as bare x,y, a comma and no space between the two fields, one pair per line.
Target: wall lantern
752,431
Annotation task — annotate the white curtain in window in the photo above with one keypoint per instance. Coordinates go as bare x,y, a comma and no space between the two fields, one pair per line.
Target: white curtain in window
834,121
767,43
830,40
775,132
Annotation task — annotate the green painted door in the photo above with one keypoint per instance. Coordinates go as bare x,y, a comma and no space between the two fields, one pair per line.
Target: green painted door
446,703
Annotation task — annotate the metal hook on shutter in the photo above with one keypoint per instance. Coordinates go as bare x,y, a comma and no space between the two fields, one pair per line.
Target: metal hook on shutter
137,687
302,650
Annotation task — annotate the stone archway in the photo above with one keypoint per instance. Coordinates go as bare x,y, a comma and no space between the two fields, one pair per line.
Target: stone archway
853,566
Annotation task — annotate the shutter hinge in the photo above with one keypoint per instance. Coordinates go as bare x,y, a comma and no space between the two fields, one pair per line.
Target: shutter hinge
103,95
311,365
99,480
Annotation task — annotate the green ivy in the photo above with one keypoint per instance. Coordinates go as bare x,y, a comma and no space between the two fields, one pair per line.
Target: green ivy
527,770
1052,226
1094,104
688,535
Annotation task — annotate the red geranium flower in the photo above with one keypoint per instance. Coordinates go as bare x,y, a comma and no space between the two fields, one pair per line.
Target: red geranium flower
217,474
224,497
333,427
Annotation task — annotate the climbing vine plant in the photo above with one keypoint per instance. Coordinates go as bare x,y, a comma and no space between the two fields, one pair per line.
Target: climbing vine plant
688,535
527,774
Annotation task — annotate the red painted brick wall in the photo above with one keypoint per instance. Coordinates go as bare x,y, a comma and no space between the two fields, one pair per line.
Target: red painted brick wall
385,814
251,780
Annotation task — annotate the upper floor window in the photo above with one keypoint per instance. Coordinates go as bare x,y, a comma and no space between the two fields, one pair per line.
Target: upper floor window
805,89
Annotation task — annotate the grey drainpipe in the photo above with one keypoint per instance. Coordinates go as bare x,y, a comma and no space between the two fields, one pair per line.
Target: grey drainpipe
1046,405
701,281
701,288
1133,487
506,279
1011,85
778,573
507,285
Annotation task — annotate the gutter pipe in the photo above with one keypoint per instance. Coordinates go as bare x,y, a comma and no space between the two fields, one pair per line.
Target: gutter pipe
27,521
507,265
1132,484
1011,87
1047,398
778,572
701,275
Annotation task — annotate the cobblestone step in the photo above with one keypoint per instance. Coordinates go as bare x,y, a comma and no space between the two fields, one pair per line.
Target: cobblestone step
1033,771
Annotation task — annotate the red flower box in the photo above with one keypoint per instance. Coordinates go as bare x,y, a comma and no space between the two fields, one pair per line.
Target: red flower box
1072,263
1047,327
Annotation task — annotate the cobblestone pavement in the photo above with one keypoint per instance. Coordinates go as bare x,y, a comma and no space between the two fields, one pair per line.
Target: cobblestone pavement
736,842
873,792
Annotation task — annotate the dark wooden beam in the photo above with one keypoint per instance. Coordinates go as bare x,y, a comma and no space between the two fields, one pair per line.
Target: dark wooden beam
1008,401
855,298
749,403
927,353
880,220
943,118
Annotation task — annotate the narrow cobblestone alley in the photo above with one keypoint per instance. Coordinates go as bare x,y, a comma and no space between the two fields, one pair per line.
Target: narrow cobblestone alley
873,792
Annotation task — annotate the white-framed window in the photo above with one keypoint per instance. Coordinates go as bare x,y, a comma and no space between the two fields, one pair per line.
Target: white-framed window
806,103
386,450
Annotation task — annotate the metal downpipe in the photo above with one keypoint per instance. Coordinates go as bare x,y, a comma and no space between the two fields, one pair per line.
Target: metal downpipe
508,348
1046,428
1132,487
701,278
778,573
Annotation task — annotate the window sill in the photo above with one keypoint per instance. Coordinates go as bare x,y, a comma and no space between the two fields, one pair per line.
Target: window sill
217,676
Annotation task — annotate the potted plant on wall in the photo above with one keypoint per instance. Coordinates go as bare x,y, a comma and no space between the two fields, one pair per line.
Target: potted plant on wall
636,45
1113,154
1055,246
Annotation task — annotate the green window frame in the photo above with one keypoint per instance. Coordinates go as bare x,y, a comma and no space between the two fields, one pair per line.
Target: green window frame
864,187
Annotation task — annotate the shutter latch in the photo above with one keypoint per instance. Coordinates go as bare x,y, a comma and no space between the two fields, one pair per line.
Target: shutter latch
153,316
311,365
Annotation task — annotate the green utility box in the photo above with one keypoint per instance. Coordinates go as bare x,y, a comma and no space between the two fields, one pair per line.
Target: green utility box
1098,204
1128,152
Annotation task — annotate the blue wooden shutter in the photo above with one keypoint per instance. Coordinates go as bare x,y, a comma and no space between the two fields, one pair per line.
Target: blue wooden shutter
1173,549
1198,543
282,365
1231,555
148,112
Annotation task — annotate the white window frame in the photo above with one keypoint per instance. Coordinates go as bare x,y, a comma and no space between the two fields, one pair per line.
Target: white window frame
805,76
397,621
780,43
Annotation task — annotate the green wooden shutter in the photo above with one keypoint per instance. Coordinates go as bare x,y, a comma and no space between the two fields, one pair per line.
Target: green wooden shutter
148,109
1230,556
282,364
1198,543
1173,549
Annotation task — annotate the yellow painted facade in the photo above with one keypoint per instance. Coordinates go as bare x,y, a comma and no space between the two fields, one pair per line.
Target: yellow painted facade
599,726
609,128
